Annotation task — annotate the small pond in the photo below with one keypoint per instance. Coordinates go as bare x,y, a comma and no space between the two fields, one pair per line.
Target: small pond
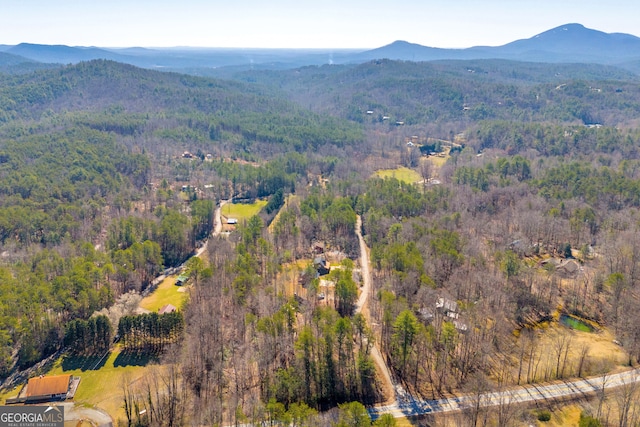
575,323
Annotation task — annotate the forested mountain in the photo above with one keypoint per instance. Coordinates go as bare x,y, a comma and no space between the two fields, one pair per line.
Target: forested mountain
524,209
14,64
134,95
186,60
564,44
570,43
461,92
61,54
574,43
90,171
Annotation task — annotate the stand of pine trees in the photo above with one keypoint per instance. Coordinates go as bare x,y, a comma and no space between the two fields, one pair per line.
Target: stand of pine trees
88,337
150,332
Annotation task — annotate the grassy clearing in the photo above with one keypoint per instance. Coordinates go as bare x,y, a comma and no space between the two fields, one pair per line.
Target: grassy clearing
291,198
102,387
401,174
404,422
565,416
166,293
242,211
6,394
438,161
602,354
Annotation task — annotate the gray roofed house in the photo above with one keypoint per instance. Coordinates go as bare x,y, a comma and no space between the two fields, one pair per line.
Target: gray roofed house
321,265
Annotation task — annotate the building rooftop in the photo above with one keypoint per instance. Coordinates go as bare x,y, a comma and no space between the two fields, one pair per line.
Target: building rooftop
167,308
46,386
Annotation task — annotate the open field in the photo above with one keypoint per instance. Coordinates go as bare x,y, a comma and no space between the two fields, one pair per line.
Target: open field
602,355
101,380
242,211
402,174
437,161
166,293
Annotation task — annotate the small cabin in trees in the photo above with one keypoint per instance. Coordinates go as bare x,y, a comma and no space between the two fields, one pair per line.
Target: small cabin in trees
318,247
167,308
426,314
321,265
447,307
568,268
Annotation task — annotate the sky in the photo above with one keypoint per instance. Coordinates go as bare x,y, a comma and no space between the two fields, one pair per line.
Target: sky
302,23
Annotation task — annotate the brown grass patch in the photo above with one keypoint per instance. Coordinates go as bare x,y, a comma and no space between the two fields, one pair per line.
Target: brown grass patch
602,355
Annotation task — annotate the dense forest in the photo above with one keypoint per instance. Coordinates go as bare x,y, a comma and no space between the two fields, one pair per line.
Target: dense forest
110,174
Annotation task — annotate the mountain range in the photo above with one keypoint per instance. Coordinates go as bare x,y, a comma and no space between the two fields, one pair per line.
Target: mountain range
570,43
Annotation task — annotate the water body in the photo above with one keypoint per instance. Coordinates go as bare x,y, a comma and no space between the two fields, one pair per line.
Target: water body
575,323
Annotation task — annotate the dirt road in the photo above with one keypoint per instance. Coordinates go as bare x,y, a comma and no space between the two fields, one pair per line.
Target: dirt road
217,226
367,280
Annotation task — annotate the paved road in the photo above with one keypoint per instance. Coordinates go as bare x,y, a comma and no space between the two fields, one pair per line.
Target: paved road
410,406
97,417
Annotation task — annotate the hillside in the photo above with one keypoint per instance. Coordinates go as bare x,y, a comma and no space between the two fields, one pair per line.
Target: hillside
517,210
570,43
92,149
14,64
461,91
574,43
134,93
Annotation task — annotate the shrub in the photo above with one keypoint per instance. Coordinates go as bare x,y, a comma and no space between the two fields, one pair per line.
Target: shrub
544,416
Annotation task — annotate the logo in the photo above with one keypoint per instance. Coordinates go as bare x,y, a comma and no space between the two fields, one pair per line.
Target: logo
31,416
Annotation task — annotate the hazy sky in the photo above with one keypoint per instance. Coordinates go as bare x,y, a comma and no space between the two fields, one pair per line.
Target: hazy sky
302,23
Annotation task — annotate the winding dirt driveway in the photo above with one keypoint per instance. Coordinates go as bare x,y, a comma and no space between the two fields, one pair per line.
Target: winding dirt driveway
365,265
217,226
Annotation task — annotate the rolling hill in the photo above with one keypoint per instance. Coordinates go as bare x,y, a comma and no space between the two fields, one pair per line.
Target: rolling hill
110,96
461,91
567,43
570,43
15,64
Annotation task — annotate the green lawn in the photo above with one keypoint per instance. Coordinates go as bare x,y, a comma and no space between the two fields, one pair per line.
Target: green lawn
402,174
242,211
166,293
102,387
7,394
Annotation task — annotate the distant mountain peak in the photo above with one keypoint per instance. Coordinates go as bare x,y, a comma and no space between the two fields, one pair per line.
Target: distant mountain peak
568,29
568,43
570,26
401,43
